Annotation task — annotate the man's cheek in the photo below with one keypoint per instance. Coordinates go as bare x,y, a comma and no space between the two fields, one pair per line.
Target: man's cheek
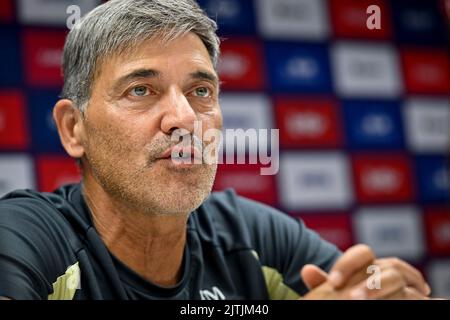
212,122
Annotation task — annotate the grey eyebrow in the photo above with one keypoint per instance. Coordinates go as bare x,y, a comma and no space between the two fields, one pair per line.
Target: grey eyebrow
205,75
151,73
136,74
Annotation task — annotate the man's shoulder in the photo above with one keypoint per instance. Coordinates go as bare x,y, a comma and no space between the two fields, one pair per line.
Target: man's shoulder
33,206
38,241
44,218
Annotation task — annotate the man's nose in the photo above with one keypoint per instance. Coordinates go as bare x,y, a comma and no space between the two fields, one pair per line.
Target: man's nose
177,113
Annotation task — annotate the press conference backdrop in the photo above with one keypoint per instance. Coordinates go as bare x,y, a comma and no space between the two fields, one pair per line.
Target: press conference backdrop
363,114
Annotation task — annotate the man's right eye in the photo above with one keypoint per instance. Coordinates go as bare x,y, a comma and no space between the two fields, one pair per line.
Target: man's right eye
139,91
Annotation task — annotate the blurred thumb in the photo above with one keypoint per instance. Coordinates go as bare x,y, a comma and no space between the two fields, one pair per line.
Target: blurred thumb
313,276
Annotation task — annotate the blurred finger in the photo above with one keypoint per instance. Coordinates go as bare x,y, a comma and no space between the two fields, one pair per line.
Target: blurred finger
391,281
354,260
313,276
412,276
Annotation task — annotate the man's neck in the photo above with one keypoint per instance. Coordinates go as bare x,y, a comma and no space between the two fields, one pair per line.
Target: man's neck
151,245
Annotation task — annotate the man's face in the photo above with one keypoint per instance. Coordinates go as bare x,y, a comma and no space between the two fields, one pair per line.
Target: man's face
138,99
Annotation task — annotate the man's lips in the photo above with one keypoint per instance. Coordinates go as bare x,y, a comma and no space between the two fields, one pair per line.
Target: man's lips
180,152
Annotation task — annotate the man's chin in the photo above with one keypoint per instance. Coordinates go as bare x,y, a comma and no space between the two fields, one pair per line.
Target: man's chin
181,197
172,207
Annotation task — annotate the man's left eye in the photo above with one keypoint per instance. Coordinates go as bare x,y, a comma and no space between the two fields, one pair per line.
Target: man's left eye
202,92
139,91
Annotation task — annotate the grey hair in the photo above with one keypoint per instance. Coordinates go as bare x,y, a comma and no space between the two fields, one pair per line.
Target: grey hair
118,25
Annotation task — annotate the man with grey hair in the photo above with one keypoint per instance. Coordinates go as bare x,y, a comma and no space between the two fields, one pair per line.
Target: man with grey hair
143,223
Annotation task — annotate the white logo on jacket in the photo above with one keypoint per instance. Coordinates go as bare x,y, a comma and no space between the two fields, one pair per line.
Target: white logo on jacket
216,294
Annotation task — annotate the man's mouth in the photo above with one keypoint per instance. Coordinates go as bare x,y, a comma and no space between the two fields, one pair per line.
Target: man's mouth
184,155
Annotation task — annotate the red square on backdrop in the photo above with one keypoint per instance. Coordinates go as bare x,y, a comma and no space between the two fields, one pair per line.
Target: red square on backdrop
13,123
54,171
240,65
6,11
43,57
426,71
382,178
336,228
349,18
437,221
308,122
247,181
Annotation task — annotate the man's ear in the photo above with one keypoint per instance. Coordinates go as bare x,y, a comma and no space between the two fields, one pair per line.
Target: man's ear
69,122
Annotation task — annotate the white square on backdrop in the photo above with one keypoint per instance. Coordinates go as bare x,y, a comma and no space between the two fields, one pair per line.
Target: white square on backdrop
366,70
427,124
51,12
316,180
247,111
16,172
293,19
391,231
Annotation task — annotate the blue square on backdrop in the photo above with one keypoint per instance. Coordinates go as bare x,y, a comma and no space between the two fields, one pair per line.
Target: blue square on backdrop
44,135
232,16
298,68
433,178
10,58
373,124
419,22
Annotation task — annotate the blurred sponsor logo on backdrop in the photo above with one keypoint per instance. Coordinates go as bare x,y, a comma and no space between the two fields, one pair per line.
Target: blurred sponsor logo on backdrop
391,231
314,181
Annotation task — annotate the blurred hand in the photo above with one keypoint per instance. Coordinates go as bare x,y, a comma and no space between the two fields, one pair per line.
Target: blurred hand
349,278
